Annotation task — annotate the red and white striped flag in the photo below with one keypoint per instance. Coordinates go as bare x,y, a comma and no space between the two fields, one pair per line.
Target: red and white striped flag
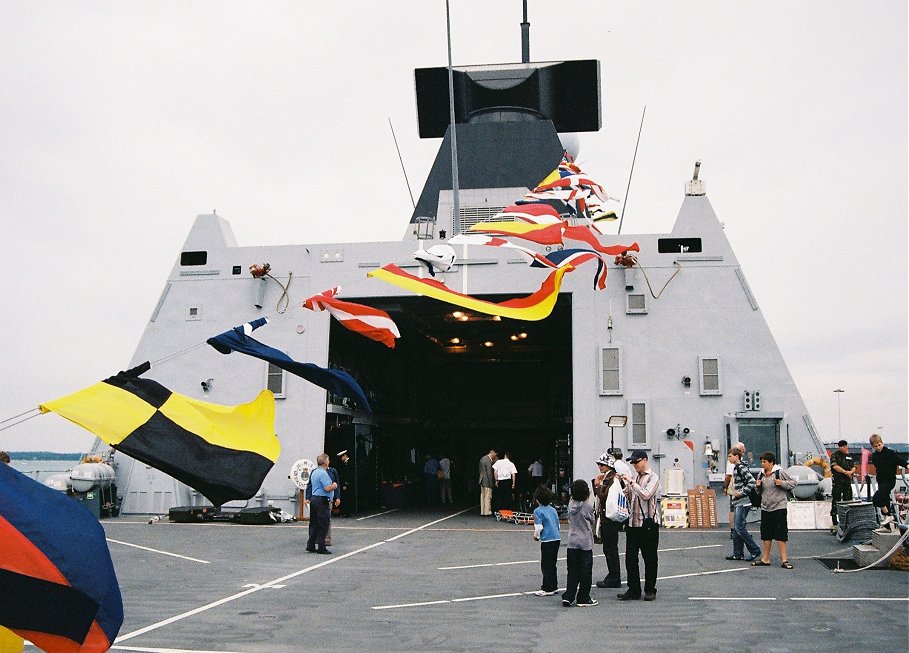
371,322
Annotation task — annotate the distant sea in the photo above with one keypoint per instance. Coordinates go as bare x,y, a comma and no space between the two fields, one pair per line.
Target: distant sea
40,470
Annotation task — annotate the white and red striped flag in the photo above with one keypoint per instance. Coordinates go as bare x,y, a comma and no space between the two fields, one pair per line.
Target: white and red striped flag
371,322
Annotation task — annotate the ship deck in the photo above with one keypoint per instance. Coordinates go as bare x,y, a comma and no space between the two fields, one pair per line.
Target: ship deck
420,580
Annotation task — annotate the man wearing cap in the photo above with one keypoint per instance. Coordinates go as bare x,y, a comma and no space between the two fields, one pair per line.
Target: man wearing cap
842,465
609,529
642,534
343,471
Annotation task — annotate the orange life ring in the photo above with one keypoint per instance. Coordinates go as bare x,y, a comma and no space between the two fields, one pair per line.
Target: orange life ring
820,462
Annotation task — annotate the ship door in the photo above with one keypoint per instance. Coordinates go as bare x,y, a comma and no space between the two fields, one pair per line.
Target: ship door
759,434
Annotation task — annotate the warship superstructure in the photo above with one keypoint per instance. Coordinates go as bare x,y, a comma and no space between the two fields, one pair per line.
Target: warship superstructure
676,343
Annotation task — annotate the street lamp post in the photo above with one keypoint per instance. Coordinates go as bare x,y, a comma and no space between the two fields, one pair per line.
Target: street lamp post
839,416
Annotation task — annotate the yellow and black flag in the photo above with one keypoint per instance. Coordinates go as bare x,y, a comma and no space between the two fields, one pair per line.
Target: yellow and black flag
224,452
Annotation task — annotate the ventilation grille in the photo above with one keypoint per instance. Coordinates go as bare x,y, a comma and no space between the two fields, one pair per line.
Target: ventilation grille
471,215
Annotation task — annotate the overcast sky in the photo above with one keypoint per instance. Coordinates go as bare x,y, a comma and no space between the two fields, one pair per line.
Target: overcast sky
120,121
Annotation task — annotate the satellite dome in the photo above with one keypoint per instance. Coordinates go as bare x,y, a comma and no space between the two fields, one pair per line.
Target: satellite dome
439,258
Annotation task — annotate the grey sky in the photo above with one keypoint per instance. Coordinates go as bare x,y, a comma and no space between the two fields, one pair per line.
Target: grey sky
119,122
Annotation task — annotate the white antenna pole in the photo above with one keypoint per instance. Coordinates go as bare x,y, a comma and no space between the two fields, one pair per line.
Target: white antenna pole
454,135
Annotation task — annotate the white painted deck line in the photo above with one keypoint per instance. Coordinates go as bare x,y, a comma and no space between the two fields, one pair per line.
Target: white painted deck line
537,561
378,514
142,649
731,598
269,584
849,598
513,594
165,553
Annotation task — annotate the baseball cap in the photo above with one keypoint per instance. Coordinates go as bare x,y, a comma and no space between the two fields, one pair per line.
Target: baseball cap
636,455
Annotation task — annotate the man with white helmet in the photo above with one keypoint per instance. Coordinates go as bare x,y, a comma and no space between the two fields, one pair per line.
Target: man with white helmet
609,529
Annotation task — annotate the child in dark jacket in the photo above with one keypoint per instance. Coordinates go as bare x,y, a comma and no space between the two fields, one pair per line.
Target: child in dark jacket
580,546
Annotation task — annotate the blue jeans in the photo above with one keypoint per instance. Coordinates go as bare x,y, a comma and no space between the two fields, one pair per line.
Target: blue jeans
740,535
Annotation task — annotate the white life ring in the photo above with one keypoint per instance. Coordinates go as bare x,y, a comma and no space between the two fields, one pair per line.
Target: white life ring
299,472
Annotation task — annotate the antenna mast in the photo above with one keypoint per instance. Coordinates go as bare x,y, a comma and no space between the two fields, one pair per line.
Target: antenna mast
401,159
525,37
454,132
627,188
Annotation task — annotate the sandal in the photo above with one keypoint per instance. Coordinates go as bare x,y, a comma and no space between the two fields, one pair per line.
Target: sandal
786,564
760,563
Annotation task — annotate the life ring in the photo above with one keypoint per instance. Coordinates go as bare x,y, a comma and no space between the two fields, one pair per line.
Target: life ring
820,462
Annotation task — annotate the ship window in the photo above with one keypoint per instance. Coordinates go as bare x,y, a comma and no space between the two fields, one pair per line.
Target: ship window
710,375
635,304
235,269
610,371
639,424
193,258
275,381
194,313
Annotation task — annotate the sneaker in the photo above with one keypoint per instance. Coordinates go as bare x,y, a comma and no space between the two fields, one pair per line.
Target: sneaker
886,521
628,596
735,558
566,603
650,596
544,593
752,558
588,604
603,584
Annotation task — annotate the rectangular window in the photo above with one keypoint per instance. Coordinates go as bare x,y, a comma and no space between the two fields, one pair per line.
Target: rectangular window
275,380
610,371
639,424
635,303
710,375
193,258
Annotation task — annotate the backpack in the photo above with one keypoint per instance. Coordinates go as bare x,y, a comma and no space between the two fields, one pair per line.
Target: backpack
776,474
753,496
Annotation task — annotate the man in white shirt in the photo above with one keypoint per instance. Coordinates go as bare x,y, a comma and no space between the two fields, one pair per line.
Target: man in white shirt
506,477
536,473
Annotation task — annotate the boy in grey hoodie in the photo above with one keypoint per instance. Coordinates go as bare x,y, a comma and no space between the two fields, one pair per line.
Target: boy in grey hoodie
580,546
773,483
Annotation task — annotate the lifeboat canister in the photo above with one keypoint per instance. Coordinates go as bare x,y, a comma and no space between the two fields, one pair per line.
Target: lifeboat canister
60,482
91,475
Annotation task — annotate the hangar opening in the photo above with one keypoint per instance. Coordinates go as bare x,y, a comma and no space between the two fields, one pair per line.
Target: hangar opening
458,383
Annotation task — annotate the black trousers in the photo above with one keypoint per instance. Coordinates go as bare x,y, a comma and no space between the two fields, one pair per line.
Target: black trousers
609,532
841,492
644,541
580,575
319,519
501,495
549,555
